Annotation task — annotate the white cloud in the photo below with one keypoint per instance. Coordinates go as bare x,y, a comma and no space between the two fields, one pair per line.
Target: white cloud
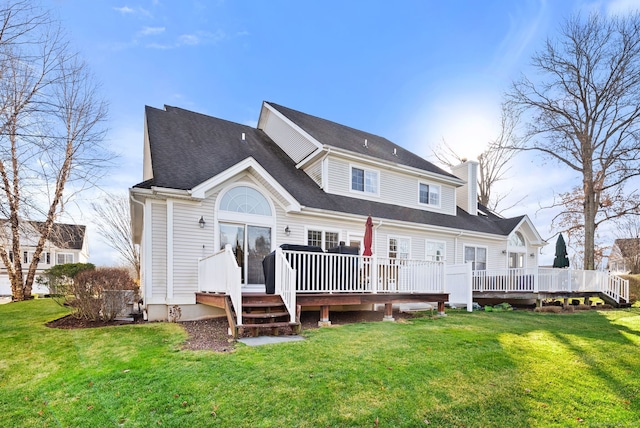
124,10
191,39
188,39
151,31
622,7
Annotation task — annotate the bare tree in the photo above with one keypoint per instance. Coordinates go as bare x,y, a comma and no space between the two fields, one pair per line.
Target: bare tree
493,161
50,132
585,113
113,219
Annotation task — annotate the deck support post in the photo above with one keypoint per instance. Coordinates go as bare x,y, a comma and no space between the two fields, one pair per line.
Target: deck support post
441,309
538,302
324,316
388,312
565,303
587,300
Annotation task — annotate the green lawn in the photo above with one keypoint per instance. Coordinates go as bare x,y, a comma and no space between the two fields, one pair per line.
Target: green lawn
475,370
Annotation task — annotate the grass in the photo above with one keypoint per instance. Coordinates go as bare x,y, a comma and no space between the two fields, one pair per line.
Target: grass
467,369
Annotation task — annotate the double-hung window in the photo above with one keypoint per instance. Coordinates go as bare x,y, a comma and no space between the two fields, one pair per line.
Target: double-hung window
364,180
64,258
477,256
435,251
399,248
323,239
430,194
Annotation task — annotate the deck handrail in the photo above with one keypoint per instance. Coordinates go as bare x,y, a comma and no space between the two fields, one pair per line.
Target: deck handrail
537,279
285,277
348,273
220,273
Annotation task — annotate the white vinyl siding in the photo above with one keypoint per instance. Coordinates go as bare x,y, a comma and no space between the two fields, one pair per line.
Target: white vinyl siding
159,252
294,144
188,242
394,187
315,172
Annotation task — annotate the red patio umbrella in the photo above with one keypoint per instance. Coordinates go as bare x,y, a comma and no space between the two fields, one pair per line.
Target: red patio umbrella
368,237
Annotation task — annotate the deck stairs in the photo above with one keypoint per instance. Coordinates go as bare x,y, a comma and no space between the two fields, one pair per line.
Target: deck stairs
266,312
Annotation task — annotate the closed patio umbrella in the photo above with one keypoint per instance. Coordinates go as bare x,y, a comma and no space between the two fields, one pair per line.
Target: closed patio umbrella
561,260
368,237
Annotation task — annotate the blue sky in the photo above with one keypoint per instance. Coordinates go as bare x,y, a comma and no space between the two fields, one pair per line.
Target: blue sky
415,72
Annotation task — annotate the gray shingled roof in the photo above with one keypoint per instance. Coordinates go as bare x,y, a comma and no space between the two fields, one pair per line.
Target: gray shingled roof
629,247
188,148
341,136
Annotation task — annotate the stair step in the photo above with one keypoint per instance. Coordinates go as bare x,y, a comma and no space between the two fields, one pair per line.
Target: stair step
262,304
271,324
265,314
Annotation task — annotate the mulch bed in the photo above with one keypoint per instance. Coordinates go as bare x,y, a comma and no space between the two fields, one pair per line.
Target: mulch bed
212,334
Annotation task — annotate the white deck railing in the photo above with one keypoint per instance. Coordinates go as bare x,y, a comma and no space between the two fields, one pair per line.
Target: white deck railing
535,280
285,277
344,273
220,273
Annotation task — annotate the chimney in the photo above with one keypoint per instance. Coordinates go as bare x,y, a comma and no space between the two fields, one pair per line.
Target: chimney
467,194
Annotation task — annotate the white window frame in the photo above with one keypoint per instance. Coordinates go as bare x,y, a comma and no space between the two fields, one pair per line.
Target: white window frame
366,170
464,252
434,186
398,237
324,231
65,255
434,257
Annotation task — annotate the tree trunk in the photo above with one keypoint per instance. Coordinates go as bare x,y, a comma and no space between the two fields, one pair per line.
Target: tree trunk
590,211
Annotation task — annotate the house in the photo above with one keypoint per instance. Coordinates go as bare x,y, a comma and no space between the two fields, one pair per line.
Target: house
66,244
210,185
625,256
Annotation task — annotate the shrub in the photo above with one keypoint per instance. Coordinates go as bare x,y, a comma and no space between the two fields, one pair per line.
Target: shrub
102,293
59,279
634,287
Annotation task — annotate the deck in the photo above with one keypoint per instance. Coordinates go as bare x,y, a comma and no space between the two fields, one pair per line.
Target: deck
304,279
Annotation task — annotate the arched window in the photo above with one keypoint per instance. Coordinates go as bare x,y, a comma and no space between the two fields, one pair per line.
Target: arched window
243,199
516,240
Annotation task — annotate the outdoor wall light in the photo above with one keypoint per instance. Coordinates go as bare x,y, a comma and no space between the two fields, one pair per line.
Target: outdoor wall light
287,231
201,222
504,251
532,255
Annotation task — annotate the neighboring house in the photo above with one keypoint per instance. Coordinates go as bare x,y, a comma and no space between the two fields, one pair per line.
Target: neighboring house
299,179
625,256
67,244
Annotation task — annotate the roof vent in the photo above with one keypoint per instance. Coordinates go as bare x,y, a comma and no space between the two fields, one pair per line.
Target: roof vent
366,145
243,137
395,151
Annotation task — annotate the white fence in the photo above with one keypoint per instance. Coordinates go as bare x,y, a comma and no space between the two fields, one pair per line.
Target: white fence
344,273
220,273
537,280
458,285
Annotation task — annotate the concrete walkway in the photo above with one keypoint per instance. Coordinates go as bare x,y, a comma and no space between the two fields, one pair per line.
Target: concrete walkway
268,340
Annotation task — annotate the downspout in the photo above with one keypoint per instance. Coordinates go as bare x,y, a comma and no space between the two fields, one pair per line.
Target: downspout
455,247
145,315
